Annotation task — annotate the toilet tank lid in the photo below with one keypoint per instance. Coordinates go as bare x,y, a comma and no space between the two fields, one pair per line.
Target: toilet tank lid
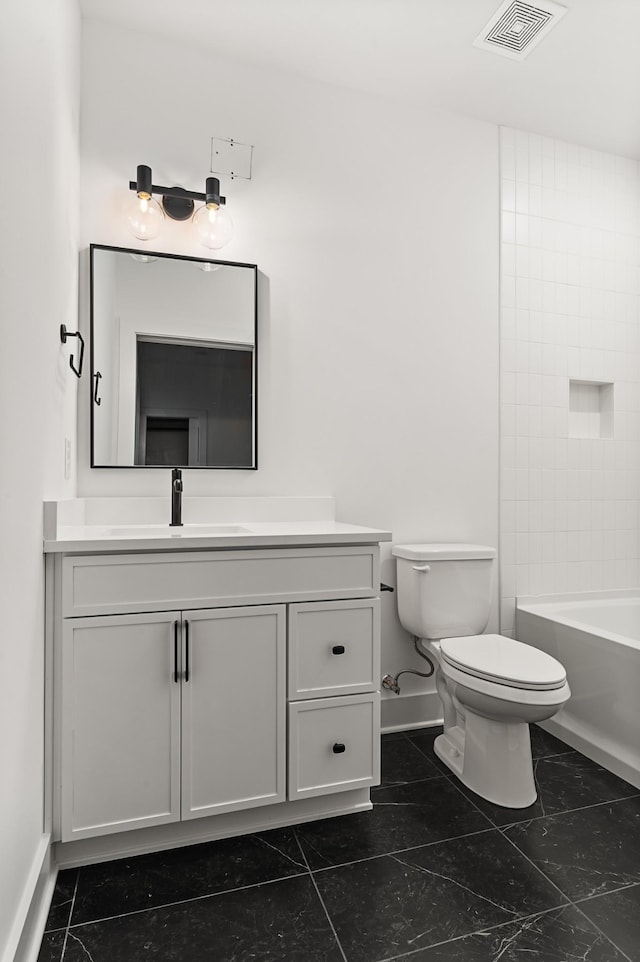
443,552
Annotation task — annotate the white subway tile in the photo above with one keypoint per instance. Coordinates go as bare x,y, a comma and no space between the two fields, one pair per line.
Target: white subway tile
507,615
508,227
522,197
522,228
535,515
508,259
522,165
522,580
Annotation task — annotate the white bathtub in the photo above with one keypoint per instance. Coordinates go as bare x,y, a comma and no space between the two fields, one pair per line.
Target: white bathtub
597,639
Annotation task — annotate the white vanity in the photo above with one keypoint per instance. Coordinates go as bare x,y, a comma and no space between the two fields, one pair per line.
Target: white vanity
207,681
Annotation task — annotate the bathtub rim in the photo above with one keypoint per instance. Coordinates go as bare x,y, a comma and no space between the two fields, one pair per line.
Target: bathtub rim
551,608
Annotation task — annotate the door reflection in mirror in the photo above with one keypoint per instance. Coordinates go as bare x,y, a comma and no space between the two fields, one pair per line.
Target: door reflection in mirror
175,341
193,403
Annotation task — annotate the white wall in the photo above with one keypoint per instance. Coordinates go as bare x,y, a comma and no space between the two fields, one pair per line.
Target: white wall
39,75
570,312
376,226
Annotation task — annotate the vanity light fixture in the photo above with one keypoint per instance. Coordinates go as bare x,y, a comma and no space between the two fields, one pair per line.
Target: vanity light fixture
145,216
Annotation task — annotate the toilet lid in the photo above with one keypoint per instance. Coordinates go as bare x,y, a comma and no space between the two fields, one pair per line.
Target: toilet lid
503,660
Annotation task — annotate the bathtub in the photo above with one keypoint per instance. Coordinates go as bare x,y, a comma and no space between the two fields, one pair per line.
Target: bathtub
597,639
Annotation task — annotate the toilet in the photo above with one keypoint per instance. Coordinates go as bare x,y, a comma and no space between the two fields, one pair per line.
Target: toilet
491,687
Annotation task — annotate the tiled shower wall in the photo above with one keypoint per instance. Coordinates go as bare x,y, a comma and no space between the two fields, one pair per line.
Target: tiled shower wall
570,369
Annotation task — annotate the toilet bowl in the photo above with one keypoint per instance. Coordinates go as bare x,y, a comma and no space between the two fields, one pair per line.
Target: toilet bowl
491,687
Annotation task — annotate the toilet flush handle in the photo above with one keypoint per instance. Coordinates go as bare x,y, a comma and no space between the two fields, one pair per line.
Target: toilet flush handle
422,568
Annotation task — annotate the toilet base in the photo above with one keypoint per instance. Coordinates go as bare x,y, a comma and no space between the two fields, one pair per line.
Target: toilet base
491,758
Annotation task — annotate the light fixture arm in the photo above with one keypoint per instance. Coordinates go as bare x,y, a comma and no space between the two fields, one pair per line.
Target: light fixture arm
180,191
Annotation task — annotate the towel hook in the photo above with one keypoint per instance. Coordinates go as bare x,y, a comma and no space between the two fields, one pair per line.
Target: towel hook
64,334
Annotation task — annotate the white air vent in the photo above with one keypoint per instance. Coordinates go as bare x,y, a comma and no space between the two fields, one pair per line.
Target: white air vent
517,27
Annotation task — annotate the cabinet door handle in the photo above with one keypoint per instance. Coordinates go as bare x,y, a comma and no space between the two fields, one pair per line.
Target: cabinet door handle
186,650
338,650
176,676
338,748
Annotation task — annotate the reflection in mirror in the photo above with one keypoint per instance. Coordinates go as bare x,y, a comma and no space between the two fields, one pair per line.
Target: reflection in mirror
173,347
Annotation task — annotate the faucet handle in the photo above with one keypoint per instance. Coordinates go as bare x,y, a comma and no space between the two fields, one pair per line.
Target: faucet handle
176,479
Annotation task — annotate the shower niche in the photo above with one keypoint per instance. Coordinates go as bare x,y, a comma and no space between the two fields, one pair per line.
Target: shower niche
590,409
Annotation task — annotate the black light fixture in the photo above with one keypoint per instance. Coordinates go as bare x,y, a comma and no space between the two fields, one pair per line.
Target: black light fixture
145,216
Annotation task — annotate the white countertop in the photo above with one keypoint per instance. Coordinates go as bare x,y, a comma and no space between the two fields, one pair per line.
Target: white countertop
111,536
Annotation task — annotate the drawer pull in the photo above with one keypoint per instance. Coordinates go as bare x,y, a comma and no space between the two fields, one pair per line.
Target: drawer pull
176,676
186,650
338,748
338,650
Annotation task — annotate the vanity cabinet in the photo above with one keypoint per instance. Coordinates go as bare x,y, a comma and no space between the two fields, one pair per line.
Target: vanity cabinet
196,684
159,716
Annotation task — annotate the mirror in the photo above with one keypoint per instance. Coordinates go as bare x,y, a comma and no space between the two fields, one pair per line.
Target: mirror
173,360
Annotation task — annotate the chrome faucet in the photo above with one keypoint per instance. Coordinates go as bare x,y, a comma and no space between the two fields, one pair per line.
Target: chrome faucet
176,497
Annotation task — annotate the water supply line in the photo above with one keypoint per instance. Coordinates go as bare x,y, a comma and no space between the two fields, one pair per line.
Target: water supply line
390,682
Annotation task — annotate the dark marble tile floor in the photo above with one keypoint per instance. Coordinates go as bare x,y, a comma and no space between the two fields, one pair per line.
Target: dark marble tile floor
432,874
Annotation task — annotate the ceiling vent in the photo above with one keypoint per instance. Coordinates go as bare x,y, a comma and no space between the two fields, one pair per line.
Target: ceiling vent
517,27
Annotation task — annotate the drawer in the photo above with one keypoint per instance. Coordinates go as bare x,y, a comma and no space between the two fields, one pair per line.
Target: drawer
334,745
112,584
334,648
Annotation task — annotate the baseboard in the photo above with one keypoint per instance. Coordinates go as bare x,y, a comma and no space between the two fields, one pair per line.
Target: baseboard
418,710
24,940
155,838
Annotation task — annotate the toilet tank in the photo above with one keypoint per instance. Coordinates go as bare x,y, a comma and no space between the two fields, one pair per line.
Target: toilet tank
444,590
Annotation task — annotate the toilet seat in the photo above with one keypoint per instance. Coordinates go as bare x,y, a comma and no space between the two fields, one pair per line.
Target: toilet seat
504,692
502,661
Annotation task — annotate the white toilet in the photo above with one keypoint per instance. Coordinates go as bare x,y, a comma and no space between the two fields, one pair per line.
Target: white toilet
491,687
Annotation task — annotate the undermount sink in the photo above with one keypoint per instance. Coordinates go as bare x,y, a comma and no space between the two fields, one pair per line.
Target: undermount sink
183,531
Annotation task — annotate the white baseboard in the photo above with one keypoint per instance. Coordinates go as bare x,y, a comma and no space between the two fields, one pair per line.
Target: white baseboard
418,710
26,933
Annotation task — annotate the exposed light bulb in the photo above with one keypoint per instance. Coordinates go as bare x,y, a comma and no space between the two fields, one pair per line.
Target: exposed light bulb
213,226
144,217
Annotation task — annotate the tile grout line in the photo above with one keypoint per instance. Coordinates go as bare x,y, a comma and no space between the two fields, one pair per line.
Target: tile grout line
322,902
195,898
480,931
599,930
569,811
401,851
602,895
68,926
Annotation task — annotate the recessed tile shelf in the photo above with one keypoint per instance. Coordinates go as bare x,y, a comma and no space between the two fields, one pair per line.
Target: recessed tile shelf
590,409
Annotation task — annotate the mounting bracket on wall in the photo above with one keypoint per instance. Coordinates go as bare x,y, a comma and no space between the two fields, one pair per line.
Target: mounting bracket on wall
232,158
64,334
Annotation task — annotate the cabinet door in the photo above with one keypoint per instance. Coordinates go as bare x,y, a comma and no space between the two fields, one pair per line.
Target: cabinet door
120,723
233,704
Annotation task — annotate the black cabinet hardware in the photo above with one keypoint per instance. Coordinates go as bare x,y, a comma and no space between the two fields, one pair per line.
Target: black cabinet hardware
176,676
186,651
97,400
338,748
338,650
